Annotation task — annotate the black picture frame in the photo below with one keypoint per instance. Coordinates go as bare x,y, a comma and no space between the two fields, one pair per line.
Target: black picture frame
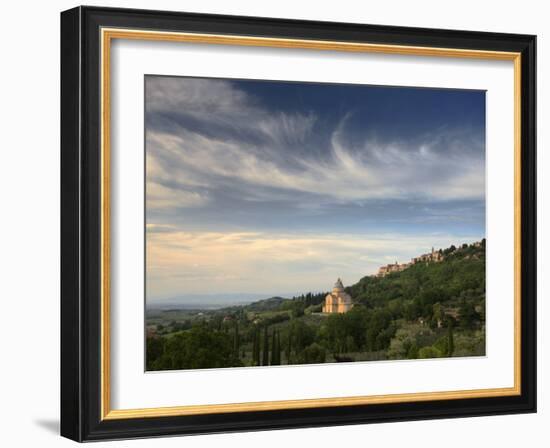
81,227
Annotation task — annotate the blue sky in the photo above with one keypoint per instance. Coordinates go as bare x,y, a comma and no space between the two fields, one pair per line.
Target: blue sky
274,187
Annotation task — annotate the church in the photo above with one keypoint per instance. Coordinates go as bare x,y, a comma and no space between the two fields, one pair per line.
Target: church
338,301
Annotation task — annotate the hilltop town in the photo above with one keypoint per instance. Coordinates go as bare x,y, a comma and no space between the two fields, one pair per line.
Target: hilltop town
339,301
433,256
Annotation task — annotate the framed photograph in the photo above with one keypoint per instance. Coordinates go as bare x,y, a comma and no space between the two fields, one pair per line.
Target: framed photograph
277,224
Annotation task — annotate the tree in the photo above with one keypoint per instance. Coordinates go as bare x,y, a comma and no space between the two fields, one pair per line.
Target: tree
412,352
279,361
273,347
288,351
336,333
302,334
155,349
256,347
276,349
377,337
437,313
313,354
468,315
429,352
198,348
265,354
407,340
236,340
451,342
298,308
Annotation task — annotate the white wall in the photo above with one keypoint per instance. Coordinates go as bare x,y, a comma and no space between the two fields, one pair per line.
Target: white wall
29,236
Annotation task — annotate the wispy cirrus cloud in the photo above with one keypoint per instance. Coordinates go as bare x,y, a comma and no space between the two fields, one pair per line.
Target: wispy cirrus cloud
254,146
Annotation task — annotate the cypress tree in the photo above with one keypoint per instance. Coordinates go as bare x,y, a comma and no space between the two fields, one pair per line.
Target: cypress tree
256,347
274,348
278,348
236,340
259,348
265,354
288,351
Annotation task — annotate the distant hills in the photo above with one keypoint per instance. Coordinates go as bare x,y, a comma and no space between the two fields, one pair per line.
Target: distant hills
270,304
212,301
202,301
458,273
457,260
431,308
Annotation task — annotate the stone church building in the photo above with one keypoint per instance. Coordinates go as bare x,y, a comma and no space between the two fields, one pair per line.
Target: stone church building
338,301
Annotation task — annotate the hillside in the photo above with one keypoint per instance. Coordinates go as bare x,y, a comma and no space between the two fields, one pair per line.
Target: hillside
459,277
271,304
428,309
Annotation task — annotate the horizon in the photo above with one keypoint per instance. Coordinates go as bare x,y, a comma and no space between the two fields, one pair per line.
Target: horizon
271,185
248,298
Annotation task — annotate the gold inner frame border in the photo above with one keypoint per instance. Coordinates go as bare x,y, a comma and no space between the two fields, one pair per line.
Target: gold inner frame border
107,36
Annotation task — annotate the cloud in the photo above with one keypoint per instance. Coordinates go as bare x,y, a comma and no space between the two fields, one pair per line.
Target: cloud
159,228
246,196
381,171
260,149
207,262
204,133
217,108
162,196
196,96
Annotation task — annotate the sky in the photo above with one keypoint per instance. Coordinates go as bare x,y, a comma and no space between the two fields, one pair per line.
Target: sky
278,188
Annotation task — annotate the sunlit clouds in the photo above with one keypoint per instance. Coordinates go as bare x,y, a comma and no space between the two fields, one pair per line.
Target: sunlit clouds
274,187
209,262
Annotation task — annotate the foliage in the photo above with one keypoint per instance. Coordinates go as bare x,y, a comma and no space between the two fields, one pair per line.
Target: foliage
408,339
312,354
429,352
265,353
155,349
198,348
429,310
276,349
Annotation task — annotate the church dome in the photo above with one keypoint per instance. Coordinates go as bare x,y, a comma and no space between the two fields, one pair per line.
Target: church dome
338,286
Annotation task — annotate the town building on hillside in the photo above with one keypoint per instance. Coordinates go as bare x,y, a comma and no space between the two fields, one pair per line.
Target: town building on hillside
338,301
434,255
388,269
